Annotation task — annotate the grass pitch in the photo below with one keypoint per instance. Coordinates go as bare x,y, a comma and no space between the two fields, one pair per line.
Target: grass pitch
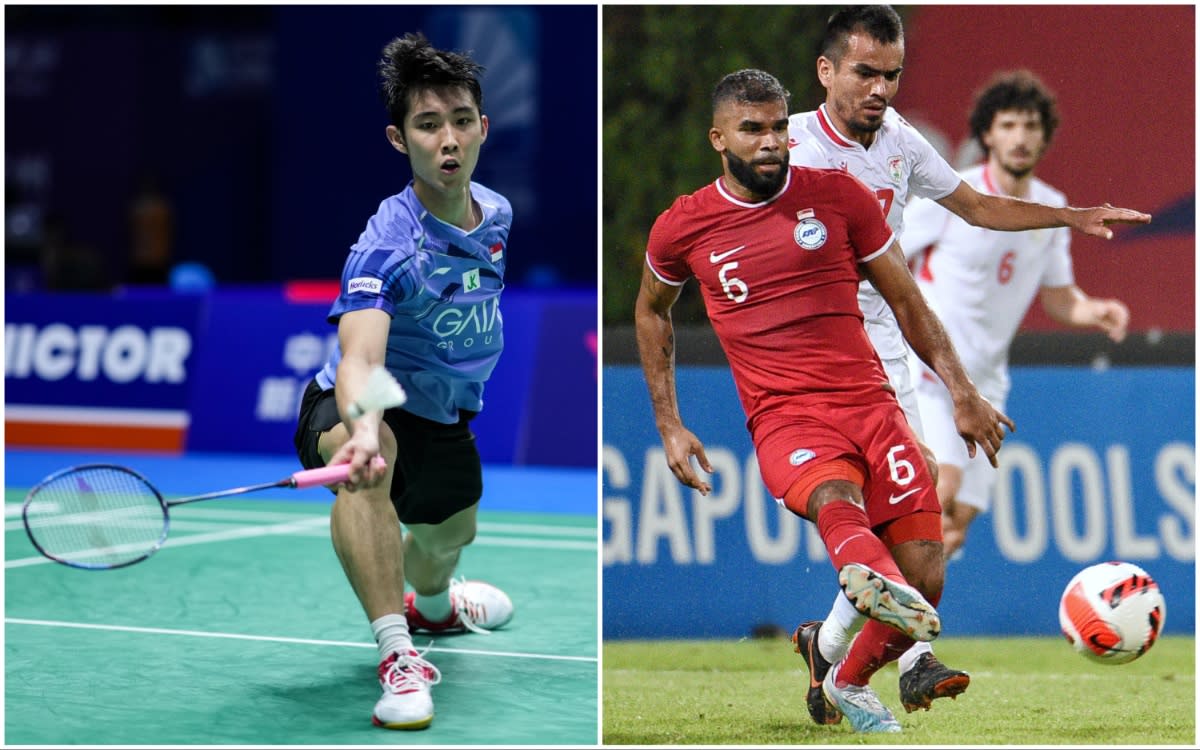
1024,691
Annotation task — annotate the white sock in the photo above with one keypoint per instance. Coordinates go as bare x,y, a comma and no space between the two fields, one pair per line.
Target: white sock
909,657
391,633
840,625
435,608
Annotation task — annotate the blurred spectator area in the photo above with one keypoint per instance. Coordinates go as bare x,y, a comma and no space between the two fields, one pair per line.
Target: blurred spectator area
1123,104
250,139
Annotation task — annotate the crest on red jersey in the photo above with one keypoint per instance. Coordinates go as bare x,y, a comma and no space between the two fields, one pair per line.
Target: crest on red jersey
810,233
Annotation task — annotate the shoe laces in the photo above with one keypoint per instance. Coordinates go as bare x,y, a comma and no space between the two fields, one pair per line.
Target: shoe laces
470,612
408,672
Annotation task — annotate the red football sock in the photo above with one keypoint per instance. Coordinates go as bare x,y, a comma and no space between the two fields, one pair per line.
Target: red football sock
876,645
848,538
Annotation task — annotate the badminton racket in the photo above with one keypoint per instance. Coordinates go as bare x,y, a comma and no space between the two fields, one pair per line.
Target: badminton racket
105,516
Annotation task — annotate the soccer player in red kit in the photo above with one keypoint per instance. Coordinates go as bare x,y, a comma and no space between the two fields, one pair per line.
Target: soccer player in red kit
778,252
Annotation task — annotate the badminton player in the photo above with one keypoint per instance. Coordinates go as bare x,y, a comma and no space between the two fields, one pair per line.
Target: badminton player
420,295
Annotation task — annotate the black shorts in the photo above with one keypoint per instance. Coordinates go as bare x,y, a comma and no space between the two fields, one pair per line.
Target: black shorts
437,471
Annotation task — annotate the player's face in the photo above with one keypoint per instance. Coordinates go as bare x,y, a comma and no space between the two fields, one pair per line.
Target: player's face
752,138
443,132
1016,140
862,84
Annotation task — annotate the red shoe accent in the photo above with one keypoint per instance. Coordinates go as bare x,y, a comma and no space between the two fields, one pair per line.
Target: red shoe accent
400,687
417,621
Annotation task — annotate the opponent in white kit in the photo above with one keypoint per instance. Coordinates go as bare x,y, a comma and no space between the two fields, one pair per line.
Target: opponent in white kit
981,283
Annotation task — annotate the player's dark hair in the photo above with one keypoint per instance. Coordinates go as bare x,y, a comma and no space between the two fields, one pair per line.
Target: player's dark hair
1018,90
410,65
749,86
881,22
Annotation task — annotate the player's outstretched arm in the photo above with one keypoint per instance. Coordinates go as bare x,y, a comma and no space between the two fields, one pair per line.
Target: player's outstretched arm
362,336
1095,221
1007,214
656,347
977,420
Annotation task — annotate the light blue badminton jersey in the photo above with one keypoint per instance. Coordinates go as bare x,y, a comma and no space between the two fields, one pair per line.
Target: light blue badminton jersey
442,287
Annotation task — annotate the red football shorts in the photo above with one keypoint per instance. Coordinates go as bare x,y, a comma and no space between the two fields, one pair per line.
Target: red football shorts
873,438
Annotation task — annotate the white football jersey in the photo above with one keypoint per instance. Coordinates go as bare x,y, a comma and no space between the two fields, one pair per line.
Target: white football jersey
900,163
981,282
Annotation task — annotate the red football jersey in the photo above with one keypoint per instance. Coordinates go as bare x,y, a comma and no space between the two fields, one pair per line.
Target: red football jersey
780,281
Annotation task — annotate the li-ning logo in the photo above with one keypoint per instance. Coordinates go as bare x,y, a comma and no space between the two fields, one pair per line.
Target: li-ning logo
810,233
800,456
364,284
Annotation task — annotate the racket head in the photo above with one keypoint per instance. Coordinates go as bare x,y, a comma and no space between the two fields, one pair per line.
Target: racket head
96,517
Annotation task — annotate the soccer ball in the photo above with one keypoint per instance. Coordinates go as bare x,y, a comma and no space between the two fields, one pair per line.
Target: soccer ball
1112,612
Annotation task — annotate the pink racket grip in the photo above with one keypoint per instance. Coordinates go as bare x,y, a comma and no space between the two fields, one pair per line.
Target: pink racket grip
325,475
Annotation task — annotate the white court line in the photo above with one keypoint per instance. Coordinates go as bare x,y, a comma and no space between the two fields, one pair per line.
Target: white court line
307,524
176,525
13,510
482,541
191,519
281,639
538,530
506,541
240,514
216,536
500,541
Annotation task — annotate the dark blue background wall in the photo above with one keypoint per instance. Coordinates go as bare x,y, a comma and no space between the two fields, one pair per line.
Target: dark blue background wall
264,128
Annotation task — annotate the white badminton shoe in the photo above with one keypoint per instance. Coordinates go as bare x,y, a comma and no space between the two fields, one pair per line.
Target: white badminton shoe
477,606
407,701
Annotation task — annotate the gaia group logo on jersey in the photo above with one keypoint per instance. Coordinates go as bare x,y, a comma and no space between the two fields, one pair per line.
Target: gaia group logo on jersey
469,325
810,233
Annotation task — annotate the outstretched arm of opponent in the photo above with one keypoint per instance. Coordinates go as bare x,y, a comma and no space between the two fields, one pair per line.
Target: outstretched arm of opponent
1007,214
656,346
976,419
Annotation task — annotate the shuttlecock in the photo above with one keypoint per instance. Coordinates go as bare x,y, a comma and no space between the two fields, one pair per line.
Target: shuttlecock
382,392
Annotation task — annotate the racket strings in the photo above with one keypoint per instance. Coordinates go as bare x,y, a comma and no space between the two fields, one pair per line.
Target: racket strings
97,516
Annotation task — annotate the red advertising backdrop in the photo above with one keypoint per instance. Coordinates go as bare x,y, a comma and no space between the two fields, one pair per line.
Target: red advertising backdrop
1124,77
